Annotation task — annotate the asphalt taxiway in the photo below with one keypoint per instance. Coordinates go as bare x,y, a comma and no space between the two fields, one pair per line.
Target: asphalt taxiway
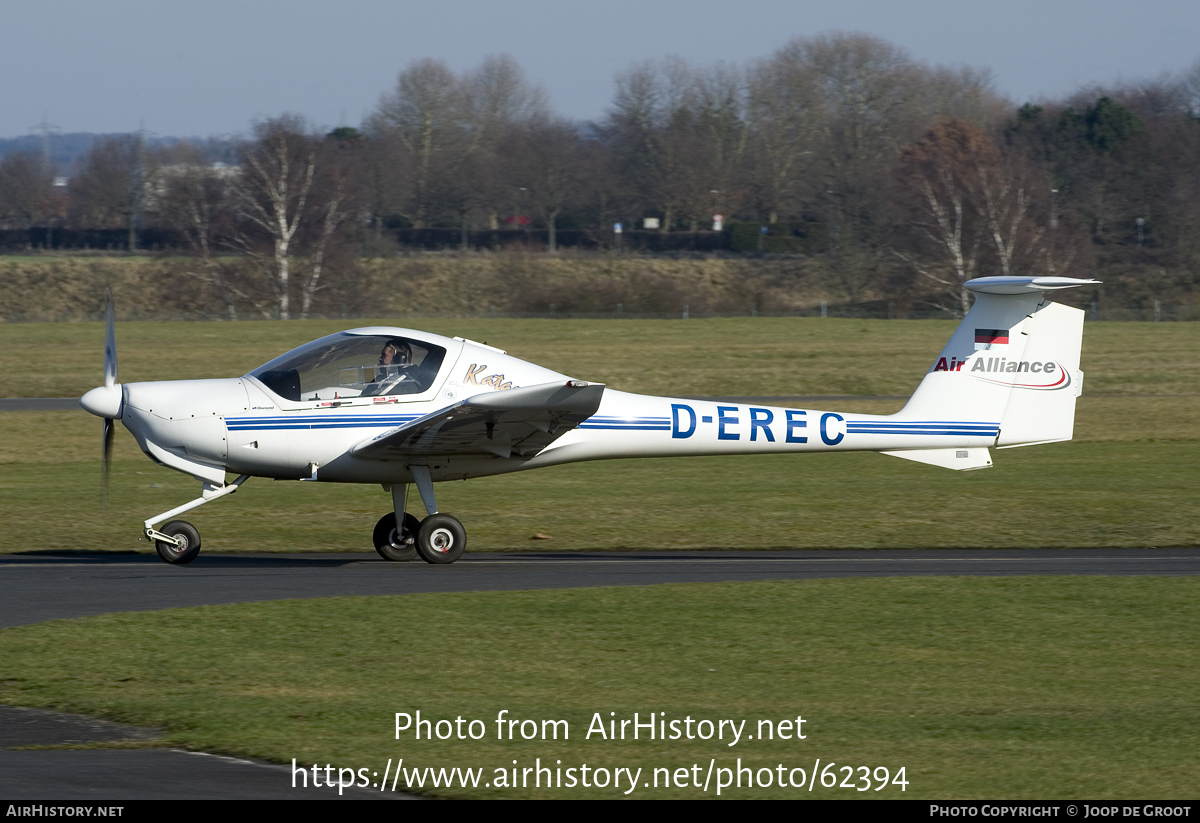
32,771
36,587
47,586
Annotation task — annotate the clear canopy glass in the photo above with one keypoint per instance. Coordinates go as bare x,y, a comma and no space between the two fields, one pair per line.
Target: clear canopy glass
347,365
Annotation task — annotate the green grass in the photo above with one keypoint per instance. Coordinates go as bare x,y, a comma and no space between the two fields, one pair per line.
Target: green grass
980,688
724,356
1113,491
1127,480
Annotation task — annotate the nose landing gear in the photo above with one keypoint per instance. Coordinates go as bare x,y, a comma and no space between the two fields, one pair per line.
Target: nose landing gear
178,542
184,545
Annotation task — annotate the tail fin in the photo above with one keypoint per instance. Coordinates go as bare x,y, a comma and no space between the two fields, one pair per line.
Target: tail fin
1014,361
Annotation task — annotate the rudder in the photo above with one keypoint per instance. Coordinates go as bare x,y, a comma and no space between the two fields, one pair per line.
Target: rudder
1041,402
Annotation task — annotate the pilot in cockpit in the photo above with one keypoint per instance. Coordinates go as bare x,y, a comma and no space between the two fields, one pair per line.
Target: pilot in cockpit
396,353
394,368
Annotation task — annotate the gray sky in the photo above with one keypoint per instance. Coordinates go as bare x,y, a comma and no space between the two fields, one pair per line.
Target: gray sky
208,68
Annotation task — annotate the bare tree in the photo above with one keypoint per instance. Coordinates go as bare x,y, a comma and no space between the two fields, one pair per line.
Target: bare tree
784,119
868,89
424,115
719,116
497,97
960,93
445,129
336,194
652,130
272,190
630,130
939,172
499,101
471,184
111,188
386,176
970,193
26,190
1189,89
550,168
1004,196
196,197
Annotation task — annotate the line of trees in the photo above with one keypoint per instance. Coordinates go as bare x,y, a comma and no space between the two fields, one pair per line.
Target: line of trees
917,177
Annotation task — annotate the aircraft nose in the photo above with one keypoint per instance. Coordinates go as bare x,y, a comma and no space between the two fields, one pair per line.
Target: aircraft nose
188,399
183,419
103,401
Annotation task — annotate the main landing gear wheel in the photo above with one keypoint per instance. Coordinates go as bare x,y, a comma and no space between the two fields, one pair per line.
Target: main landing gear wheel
392,545
189,543
441,539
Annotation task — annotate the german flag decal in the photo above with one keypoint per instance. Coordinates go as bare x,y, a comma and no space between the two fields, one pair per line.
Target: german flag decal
991,337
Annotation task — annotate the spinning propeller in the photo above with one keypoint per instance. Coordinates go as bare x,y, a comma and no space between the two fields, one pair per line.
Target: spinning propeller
110,382
105,401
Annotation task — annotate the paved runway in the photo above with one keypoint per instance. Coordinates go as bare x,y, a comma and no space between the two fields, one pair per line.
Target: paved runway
36,587
39,403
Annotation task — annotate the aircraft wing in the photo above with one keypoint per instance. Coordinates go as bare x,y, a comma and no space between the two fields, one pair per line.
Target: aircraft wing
518,422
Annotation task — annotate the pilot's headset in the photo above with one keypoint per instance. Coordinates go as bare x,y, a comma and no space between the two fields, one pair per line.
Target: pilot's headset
403,355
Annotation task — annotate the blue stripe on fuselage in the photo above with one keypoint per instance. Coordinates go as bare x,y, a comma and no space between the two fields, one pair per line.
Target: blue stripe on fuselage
326,421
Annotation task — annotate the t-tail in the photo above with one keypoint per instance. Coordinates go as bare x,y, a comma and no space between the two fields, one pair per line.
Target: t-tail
1012,366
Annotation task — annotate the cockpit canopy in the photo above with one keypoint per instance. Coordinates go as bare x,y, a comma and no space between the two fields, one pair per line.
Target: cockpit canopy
348,365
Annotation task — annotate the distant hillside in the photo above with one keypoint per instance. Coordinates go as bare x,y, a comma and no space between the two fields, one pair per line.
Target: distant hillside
68,150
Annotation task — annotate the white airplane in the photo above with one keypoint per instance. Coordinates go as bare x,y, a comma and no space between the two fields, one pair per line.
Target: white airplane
396,406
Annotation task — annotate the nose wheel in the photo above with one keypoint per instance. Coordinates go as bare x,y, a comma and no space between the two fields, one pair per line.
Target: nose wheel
184,545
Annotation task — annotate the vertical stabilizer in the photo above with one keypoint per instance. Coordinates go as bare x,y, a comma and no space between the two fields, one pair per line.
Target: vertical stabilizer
1013,361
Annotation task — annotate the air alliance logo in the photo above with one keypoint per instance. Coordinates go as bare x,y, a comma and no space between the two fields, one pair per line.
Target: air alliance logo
1040,375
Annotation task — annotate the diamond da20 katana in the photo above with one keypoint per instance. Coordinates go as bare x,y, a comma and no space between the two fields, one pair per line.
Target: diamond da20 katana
399,407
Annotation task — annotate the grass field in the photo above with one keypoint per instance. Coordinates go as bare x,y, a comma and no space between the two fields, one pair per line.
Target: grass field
1083,494
979,688
989,688
1128,479
724,356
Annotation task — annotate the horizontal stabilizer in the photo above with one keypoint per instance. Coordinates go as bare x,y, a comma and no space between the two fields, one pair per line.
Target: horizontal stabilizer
517,422
963,460
1024,285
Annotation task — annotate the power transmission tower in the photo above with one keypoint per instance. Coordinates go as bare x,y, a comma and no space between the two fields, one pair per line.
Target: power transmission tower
48,169
46,128
138,181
